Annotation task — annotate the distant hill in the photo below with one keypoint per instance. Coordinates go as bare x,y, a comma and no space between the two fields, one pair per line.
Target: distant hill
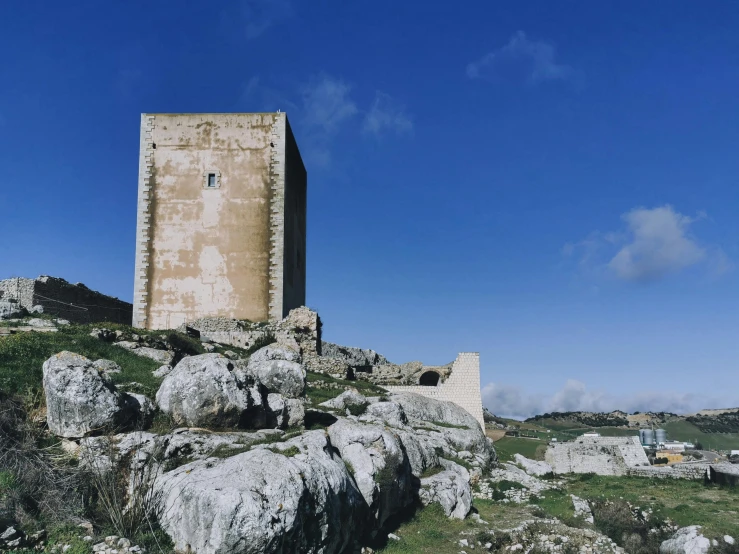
715,429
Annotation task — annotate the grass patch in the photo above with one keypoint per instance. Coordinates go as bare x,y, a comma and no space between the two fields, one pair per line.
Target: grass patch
431,471
22,356
447,425
685,502
317,395
288,452
507,447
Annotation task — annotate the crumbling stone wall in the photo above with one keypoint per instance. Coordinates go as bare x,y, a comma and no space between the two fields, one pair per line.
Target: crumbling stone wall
74,302
694,472
462,386
600,455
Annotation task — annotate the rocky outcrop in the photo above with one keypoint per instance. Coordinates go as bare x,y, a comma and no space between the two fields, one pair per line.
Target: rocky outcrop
209,390
156,354
80,399
450,488
532,467
687,540
279,369
212,390
297,496
378,463
347,400
355,357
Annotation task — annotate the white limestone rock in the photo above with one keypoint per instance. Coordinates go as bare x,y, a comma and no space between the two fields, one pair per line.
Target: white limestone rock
450,488
79,399
162,371
286,412
391,413
582,509
344,400
208,390
161,356
465,435
144,407
532,467
107,366
279,370
431,410
262,501
379,464
687,540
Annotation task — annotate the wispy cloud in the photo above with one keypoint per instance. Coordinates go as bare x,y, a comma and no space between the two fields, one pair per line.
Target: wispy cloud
653,244
327,103
322,108
386,115
326,107
259,15
524,60
510,401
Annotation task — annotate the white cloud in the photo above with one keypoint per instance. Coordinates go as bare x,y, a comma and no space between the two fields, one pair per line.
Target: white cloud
522,60
659,243
386,115
260,15
510,401
326,103
327,106
653,244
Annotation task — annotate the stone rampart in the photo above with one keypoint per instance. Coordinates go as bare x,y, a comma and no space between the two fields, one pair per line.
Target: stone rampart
74,302
600,455
461,387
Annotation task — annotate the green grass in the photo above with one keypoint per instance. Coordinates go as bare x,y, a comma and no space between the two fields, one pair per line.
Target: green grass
429,531
22,356
316,395
508,446
685,502
448,425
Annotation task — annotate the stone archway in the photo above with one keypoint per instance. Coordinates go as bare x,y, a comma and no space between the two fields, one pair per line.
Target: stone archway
429,379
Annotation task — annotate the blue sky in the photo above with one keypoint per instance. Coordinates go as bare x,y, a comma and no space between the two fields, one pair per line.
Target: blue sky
552,184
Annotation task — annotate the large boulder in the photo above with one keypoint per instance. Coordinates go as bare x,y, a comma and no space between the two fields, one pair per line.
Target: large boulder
211,390
450,488
431,410
80,399
457,427
295,496
687,540
532,467
379,464
278,368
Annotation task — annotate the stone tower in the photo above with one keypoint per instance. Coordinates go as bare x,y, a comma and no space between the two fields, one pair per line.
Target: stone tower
221,220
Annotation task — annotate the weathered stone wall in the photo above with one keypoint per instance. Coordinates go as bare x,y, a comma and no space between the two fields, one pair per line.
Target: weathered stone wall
695,472
218,251
600,455
60,298
461,387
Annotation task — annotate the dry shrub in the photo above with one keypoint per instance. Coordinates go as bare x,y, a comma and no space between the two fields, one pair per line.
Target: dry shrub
40,484
125,497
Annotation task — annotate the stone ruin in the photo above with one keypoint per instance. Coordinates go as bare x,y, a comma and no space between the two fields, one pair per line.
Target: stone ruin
57,297
457,382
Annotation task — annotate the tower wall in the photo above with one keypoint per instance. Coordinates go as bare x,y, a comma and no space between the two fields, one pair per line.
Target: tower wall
216,247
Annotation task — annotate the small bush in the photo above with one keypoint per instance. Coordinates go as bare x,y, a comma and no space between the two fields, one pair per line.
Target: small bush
357,409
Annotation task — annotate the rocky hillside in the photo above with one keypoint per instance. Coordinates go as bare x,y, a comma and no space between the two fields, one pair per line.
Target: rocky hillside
123,441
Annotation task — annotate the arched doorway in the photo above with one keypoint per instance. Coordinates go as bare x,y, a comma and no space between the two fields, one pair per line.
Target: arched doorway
429,379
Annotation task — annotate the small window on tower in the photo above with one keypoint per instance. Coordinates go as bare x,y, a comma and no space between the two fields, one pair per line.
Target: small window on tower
212,179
